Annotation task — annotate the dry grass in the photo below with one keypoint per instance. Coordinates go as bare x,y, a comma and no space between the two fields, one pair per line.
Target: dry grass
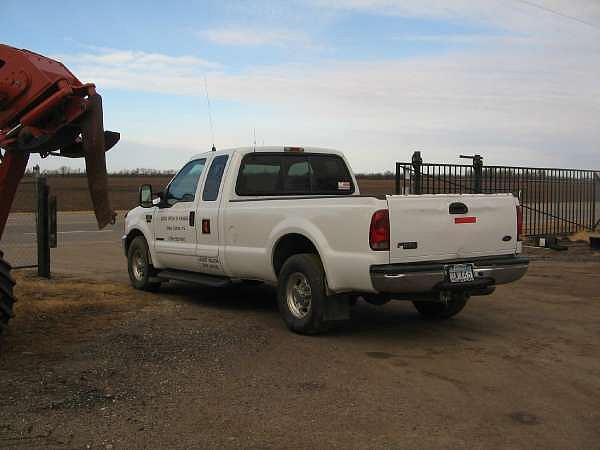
583,236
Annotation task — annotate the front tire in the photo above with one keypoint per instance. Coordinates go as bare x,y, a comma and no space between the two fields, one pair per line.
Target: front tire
7,298
451,305
301,294
139,267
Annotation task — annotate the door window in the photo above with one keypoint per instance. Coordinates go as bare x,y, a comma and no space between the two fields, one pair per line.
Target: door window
213,179
183,186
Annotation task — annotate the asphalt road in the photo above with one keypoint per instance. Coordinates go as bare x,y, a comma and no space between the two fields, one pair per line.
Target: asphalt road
82,248
73,227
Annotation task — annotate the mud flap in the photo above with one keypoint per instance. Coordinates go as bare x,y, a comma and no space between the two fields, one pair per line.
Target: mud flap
336,308
92,131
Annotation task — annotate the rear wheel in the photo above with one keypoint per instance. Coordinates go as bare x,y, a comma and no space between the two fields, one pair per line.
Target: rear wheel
450,305
139,267
7,298
301,294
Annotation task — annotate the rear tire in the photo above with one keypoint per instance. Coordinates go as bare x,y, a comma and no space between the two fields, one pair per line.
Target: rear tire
301,294
444,309
139,267
7,298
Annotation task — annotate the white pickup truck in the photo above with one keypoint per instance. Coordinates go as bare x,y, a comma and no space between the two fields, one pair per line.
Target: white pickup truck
293,217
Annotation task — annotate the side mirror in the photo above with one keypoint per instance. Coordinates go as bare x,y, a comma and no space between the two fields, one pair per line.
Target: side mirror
145,196
159,200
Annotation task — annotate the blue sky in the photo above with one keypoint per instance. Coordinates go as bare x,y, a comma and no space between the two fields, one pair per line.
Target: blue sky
375,78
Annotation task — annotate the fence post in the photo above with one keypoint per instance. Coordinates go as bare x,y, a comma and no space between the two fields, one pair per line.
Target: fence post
52,222
594,200
43,235
478,170
397,188
417,162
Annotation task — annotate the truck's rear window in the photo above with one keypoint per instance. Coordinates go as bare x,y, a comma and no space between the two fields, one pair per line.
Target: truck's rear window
268,174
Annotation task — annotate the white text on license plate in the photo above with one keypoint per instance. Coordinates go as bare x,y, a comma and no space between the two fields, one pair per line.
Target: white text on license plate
460,273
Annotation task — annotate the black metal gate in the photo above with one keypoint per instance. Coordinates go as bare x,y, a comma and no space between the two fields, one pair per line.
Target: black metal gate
555,201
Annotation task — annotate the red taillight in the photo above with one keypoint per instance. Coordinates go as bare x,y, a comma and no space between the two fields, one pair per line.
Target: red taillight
379,234
519,223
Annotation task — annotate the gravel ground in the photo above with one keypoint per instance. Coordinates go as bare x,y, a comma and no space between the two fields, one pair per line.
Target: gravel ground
93,364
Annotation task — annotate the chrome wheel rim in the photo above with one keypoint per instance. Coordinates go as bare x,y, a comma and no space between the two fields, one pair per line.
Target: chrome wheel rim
138,265
299,295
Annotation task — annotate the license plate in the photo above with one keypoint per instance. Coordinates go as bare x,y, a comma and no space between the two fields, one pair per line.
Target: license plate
460,273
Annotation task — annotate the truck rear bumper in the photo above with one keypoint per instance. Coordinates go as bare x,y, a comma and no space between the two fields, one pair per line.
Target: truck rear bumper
431,277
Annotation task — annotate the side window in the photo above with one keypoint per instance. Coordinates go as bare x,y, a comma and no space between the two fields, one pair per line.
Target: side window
213,179
183,186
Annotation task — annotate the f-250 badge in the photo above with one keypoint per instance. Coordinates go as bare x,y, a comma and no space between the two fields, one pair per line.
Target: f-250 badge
407,245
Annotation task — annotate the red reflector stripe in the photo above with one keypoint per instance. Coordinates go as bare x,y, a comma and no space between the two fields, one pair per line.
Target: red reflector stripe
465,220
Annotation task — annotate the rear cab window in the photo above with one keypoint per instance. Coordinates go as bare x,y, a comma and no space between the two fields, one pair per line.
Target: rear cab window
277,174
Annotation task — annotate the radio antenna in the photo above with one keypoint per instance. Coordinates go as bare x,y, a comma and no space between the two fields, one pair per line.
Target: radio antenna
210,120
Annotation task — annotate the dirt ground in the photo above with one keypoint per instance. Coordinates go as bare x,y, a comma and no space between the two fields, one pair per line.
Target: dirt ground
90,363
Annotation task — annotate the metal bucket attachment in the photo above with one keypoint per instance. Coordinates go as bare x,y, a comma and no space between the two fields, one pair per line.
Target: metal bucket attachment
94,146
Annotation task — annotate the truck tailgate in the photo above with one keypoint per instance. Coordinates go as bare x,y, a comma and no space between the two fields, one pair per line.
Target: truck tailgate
445,227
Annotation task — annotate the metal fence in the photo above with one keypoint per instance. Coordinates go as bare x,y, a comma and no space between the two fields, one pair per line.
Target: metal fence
30,231
19,241
555,201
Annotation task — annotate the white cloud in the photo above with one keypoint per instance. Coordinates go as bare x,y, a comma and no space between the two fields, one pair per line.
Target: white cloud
131,60
241,36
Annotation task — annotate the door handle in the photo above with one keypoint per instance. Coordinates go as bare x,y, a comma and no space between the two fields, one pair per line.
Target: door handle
192,218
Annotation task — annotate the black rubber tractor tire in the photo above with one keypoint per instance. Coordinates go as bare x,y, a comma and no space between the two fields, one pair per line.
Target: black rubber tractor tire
138,256
7,298
442,310
307,271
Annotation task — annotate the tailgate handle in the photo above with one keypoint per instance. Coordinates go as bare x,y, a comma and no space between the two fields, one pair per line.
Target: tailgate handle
458,208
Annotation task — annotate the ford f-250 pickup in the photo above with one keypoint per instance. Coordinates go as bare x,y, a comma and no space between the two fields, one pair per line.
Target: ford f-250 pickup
293,217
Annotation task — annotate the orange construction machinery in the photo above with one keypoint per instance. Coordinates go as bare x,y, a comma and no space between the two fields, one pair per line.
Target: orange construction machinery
45,109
